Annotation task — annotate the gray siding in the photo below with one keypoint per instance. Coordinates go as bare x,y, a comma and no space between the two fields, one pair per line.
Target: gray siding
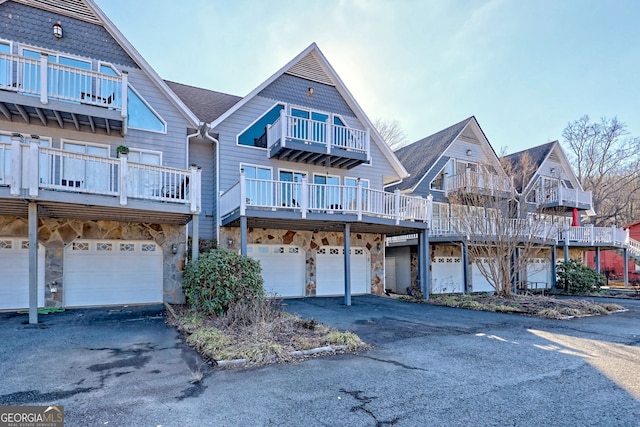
402,255
424,188
33,26
202,153
294,90
232,155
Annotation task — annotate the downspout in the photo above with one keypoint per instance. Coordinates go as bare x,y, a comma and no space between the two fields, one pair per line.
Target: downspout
217,175
194,217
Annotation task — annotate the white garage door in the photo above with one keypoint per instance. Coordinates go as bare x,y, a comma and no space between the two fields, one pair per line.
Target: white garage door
14,279
479,282
538,273
283,268
330,271
447,276
104,272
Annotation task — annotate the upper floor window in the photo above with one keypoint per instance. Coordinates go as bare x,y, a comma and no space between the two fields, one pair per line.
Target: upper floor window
140,114
5,70
255,135
63,83
259,187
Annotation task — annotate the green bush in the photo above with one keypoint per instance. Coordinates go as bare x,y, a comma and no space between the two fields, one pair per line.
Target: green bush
576,278
219,278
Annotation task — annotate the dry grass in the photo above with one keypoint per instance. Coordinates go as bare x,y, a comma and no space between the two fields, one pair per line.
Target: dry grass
531,305
258,332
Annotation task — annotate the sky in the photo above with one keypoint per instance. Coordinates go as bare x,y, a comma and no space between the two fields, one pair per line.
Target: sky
523,68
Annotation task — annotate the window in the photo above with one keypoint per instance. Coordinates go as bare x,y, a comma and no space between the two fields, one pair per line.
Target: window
89,173
291,188
326,192
5,65
140,114
145,181
351,193
255,135
109,90
258,185
62,83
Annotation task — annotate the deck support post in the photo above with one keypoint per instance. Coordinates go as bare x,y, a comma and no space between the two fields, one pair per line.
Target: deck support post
625,266
347,264
33,262
597,259
424,264
243,235
195,236
554,271
465,267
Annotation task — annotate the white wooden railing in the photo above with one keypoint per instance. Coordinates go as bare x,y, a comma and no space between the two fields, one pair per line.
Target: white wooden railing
634,247
488,227
590,235
307,197
287,128
29,168
473,182
61,82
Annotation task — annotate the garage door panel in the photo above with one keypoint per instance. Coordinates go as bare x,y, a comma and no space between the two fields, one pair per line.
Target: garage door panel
446,275
479,282
330,271
14,280
112,272
283,268
538,273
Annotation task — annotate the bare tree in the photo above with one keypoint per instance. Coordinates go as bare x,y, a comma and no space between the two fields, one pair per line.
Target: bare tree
607,163
499,243
391,132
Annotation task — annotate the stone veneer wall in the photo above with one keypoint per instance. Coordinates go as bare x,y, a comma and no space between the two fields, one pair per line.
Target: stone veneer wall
55,234
310,241
436,250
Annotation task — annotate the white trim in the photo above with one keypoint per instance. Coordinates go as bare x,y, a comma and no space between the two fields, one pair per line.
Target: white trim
242,165
144,101
305,173
341,88
85,143
110,65
326,175
53,53
367,180
143,150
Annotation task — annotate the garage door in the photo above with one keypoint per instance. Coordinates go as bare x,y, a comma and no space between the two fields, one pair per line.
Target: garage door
14,280
104,272
538,273
446,275
330,271
479,282
283,268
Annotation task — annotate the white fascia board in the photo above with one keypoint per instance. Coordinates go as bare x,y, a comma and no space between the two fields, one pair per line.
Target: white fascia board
144,65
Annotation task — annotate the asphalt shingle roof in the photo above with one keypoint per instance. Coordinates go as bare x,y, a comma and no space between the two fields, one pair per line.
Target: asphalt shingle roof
206,104
537,156
419,157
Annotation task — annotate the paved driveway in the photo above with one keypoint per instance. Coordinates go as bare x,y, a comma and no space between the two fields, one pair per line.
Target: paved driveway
429,365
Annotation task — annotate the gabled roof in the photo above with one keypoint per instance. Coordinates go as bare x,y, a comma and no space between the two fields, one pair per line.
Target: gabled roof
419,157
207,104
88,10
311,64
537,155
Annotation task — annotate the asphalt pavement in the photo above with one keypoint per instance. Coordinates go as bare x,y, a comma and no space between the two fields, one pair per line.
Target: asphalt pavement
428,366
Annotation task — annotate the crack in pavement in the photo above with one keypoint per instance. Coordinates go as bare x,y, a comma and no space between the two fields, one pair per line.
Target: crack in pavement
365,400
395,363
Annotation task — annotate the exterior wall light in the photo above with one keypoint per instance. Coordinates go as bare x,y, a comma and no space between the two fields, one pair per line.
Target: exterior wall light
469,153
57,30
311,91
174,248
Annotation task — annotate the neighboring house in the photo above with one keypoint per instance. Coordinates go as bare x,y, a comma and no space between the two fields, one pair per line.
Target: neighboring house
300,177
612,262
87,225
456,159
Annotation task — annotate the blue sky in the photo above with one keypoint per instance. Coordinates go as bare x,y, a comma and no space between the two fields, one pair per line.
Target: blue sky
524,68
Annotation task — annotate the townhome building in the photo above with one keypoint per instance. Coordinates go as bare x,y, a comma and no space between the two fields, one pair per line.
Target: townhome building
299,181
96,184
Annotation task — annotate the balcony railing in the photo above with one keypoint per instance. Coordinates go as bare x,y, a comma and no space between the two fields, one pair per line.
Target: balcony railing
48,80
298,139
550,191
29,168
307,198
493,227
590,235
479,183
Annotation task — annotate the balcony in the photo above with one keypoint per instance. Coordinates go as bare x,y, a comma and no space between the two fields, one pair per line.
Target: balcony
473,183
297,139
551,193
478,228
74,185
594,236
320,205
51,93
